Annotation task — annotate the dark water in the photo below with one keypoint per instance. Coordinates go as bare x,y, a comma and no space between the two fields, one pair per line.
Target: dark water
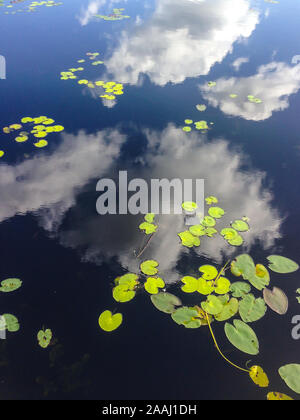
67,255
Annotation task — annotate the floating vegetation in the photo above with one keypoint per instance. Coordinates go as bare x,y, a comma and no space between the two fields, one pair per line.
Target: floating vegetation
201,108
10,285
277,300
32,7
148,226
116,15
233,95
207,224
109,322
41,127
211,84
254,100
44,338
9,322
199,125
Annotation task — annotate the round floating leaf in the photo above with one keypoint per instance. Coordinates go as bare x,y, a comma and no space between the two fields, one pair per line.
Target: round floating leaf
2,153
205,287
153,284
190,284
229,234
222,286
197,230
9,322
242,337
189,206
149,217
240,226
44,338
201,125
211,200
187,317
148,228
187,129
277,300
208,221
211,84
9,285
259,377
188,239
129,279
210,232
216,212
209,272
201,108
213,305
240,289
165,302
229,310
277,396
244,266
109,322
252,309
291,376
123,293
261,278
237,241
188,122
282,265
149,267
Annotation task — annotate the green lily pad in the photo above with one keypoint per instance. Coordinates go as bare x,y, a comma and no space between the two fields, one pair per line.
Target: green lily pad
240,226
197,230
277,300
209,272
282,265
188,239
201,125
10,285
153,284
229,233
148,228
191,284
244,266
252,309
189,206
129,279
210,232
240,289
205,287
291,376
261,278
149,267
211,200
187,129
109,322
123,293
211,84
149,217
242,337
9,322
216,212
165,302
222,286
44,338
213,305
188,121
187,317
201,108
229,310
208,221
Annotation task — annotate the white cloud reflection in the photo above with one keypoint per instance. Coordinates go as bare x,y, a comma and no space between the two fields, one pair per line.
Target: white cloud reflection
183,38
273,84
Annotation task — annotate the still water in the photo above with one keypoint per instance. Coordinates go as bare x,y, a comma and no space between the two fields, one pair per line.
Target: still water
164,53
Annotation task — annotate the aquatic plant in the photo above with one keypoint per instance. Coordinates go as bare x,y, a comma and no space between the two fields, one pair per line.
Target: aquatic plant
116,15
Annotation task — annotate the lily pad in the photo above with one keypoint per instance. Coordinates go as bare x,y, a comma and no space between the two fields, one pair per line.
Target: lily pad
9,285
123,293
9,322
211,200
198,230
212,306
277,300
240,226
252,309
282,265
201,108
208,221
189,206
153,284
291,376
149,267
242,337
187,317
44,338
109,322
229,310
149,217
191,284
259,377
165,302
148,228
278,396
240,289
216,212
188,239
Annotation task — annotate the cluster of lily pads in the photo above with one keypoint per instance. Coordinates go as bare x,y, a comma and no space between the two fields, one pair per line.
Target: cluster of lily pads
199,125
148,226
116,15
206,227
32,6
10,322
41,127
111,89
